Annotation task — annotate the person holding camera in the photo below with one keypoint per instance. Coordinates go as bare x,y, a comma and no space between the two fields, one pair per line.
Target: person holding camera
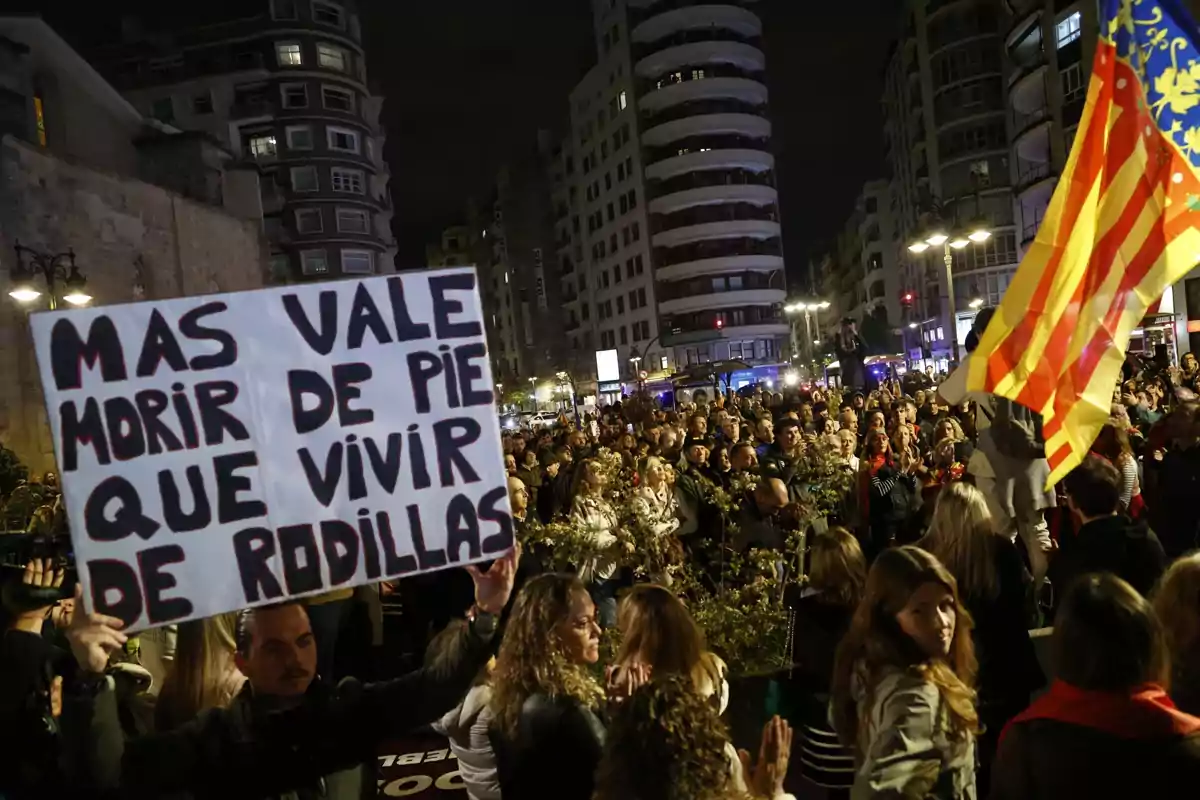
30,692
851,353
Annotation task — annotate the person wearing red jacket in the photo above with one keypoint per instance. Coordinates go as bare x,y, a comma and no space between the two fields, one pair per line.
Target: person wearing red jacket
1106,729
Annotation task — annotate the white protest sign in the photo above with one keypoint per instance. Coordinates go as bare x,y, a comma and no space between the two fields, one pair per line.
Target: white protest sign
226,451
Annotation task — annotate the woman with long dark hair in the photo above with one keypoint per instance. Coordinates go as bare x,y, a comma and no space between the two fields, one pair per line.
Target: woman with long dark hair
886,486
1112,444
903,683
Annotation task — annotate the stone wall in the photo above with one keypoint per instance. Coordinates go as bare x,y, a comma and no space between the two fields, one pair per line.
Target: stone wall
132,241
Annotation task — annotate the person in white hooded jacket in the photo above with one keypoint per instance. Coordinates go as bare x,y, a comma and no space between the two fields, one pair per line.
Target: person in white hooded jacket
466,726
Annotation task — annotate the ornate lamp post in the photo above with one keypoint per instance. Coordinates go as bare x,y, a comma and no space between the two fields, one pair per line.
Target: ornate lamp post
951,239
58,271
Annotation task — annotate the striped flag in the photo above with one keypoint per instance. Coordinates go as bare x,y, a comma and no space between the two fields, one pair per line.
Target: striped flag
1121,227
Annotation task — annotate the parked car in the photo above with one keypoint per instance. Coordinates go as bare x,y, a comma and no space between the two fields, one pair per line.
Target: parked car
543,419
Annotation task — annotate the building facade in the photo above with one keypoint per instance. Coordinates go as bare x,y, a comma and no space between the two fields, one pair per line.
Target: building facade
677,256
948,152
150,213
510,237
452,250
285,87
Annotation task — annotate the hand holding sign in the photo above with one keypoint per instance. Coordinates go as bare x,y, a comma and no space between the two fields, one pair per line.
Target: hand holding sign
93,637
494,587
223,452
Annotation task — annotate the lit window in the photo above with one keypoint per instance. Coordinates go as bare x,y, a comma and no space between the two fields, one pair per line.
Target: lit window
358,262
337,99
304,179
347,180
328,14
40,113
1072,83
308,220
313,262
261,146
288,54
352,220
940,334
623,100
332,57
295,95
299,137
1069,29
342,140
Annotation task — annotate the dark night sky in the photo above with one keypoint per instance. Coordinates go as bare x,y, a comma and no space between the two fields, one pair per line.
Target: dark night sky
467,80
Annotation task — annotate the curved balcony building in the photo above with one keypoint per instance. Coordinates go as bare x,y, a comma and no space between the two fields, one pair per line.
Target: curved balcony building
699,76
287,90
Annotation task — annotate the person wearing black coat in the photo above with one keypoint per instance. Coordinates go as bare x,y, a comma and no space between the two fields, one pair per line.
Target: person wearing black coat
1106,730
287,734
559,746
1107,541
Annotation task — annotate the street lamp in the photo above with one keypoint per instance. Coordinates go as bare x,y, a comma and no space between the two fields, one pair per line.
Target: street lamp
949,242
808,308
56,269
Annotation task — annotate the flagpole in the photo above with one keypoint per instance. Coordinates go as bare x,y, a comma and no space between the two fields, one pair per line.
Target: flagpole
949,262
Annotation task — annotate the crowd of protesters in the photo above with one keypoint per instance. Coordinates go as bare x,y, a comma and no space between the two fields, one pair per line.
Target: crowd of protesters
919,547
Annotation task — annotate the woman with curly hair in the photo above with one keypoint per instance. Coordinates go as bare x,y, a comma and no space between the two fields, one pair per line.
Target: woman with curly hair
545,731
667,743
903,681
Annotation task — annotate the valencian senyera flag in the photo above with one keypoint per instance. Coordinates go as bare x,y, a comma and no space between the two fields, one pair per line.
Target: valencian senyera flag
1121,227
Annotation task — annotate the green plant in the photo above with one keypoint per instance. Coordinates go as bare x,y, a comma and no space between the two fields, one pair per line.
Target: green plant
742,612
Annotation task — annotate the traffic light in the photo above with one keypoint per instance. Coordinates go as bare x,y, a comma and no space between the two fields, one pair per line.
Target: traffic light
720,323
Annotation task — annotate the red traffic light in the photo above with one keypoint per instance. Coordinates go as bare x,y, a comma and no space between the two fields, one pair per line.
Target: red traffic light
720,323
908,297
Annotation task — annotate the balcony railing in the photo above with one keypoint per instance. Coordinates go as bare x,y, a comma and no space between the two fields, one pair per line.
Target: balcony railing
716,248
700,108
696,72
709,178
252,107
721,284
692,36
707,215
1031,173
1022,120
701,144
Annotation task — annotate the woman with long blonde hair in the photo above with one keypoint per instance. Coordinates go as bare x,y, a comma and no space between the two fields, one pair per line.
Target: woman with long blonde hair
996,588
903,683
544,700
1177,602
203,674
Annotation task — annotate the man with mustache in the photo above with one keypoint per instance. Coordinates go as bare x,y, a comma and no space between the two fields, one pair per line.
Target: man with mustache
285,735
